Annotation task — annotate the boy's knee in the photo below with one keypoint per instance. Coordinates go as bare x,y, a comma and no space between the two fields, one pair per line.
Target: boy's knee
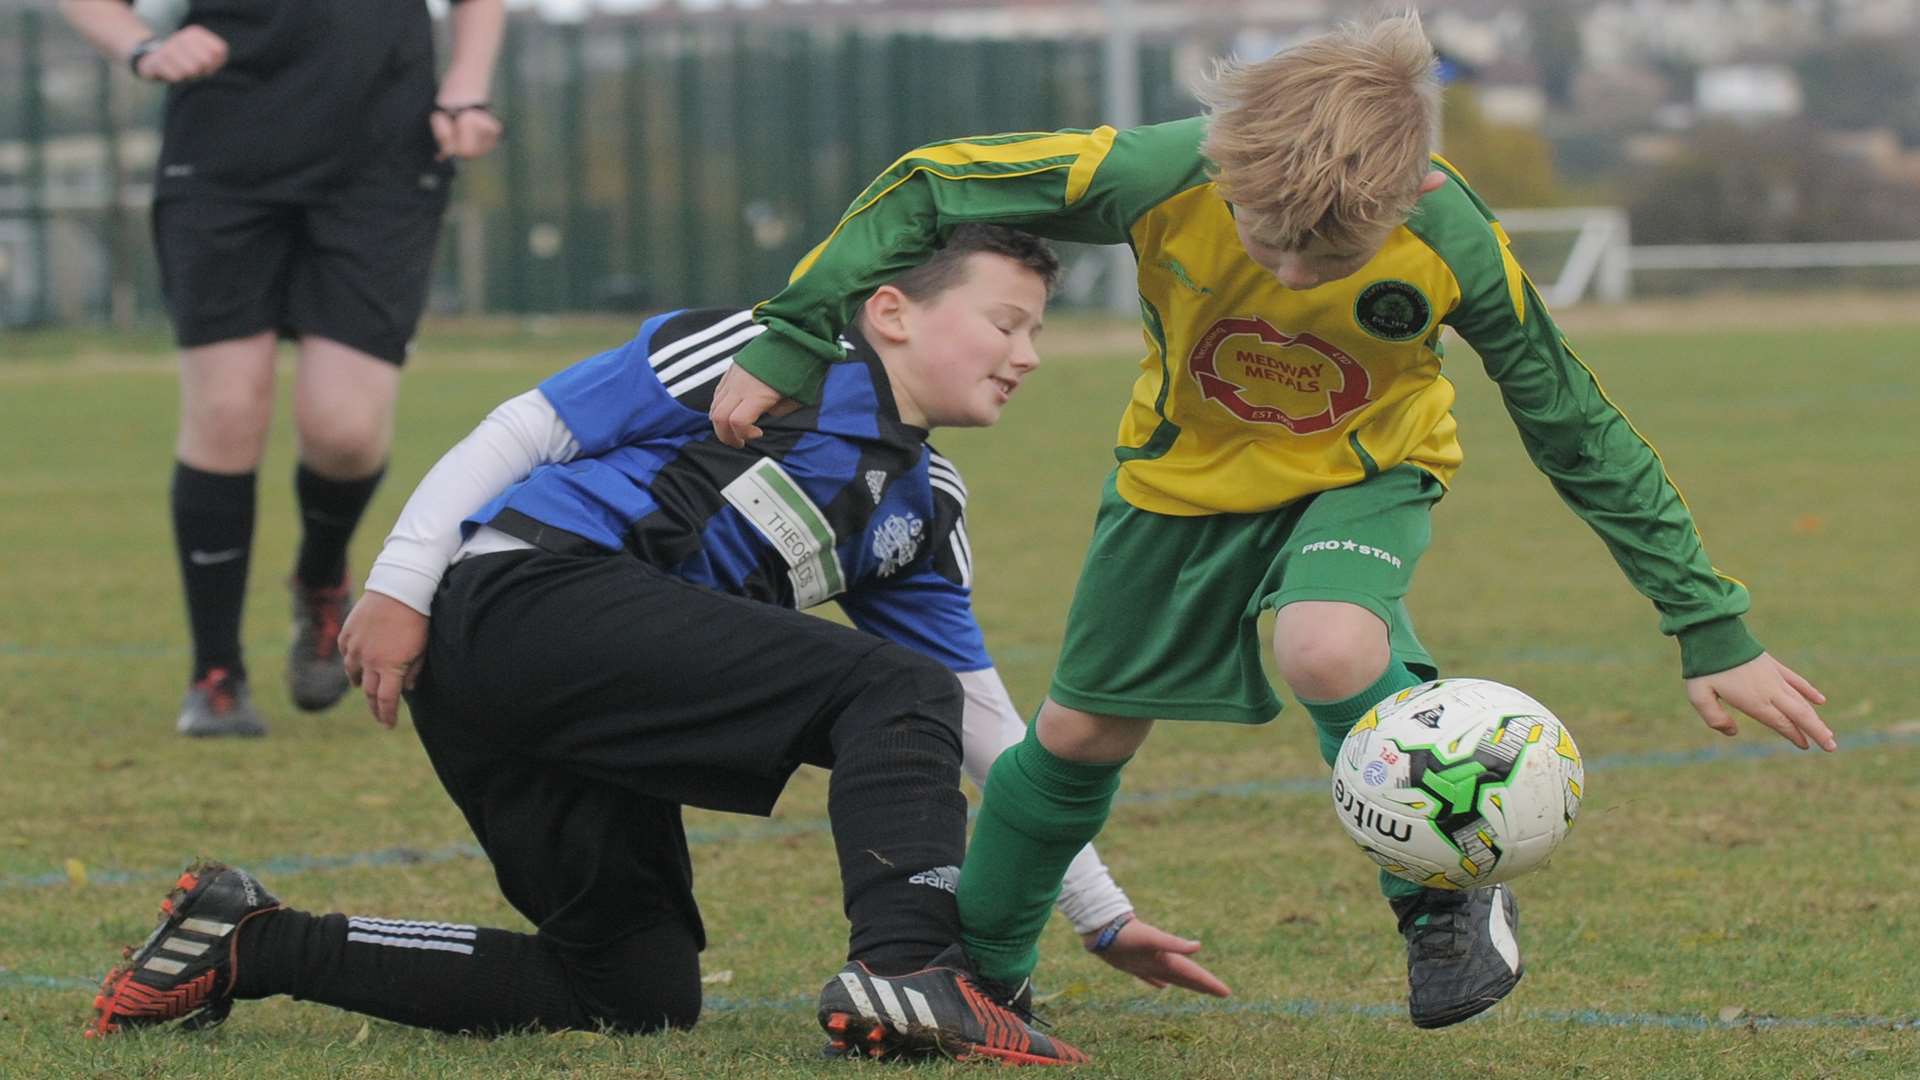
899,687
1329,651
645,983
1072,735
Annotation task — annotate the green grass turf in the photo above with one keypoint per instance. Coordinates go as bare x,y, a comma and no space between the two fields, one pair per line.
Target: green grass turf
1729,916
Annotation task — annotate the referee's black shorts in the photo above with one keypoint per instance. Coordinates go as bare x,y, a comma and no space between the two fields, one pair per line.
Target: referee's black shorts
351,266
572,704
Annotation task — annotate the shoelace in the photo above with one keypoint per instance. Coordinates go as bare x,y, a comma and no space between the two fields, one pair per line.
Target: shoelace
220,693
1010,1000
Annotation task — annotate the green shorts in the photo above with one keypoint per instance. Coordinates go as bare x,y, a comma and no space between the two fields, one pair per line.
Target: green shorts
1164,622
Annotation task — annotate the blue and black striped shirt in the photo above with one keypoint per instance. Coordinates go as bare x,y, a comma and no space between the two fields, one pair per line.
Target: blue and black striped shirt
840,501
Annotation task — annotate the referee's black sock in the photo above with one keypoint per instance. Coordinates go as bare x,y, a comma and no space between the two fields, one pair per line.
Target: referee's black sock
329,512
457,978
213,537
899,827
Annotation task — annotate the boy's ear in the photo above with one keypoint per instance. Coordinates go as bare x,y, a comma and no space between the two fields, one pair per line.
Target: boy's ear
886,313
1433,181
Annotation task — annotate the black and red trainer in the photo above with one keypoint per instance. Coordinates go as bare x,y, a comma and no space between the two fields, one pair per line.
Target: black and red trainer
185,968
219,704
316,676
941,1010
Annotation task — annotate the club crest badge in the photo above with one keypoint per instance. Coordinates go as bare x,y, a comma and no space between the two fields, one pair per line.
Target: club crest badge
896,541
1393,311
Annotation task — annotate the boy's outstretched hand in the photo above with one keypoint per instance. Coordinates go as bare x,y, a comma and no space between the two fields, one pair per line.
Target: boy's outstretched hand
382,644
1770,692
1158,959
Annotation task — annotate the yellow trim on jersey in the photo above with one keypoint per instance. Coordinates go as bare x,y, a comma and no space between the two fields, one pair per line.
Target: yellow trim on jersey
1087,150
1080,177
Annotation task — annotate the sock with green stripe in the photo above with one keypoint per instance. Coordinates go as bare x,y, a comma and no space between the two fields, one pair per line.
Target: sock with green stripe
1333,719
1037,812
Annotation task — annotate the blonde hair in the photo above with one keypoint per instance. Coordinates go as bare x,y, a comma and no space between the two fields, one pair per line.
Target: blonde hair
1329,138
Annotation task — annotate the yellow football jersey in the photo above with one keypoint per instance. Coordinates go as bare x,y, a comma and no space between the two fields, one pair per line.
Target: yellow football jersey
1250,395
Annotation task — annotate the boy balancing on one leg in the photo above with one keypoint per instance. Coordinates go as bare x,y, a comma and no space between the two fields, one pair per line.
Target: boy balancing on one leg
1299,251
615,640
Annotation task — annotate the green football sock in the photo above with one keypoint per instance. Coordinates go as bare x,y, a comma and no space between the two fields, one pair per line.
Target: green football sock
1333,719
1038,812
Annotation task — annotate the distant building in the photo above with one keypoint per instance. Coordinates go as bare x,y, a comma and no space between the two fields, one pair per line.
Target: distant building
1747,92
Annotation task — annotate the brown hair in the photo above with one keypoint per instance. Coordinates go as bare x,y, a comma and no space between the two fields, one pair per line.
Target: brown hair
1329,138
948,265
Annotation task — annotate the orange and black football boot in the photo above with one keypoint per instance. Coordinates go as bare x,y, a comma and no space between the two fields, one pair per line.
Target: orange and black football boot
316,676
942,1010
185,969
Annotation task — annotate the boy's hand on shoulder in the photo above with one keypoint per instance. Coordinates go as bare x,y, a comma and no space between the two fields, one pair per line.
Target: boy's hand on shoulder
1158,958
383,643
739,400
1770,692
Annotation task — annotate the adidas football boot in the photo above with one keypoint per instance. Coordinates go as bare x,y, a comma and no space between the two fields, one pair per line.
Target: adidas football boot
219,703
941,1010
184,970
316,678
1461,952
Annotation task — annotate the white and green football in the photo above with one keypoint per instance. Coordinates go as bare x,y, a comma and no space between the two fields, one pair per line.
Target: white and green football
1458,783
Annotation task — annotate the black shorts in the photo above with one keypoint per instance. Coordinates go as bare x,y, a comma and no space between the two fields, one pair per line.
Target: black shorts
351,267
572,704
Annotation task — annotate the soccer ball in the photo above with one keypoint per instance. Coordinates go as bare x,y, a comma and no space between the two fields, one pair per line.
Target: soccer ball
1458,783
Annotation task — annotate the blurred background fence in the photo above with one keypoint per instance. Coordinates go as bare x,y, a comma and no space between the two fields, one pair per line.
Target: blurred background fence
647,164
675,156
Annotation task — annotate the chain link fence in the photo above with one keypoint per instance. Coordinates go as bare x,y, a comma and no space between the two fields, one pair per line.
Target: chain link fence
649,162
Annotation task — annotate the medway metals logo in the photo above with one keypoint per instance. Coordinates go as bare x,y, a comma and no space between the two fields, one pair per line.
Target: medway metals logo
1303,365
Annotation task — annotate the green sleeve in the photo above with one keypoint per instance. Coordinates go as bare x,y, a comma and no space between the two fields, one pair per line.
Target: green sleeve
1598,464
1085,186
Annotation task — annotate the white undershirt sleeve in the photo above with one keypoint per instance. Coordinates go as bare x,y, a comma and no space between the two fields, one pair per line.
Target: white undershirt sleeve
514,439
1089,897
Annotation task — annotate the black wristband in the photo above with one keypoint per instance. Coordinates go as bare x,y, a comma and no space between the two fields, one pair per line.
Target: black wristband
140,52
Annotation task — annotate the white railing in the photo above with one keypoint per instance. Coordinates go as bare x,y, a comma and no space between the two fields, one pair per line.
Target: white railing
1603,259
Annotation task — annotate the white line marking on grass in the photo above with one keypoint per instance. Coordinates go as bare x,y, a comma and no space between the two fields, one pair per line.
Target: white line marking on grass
1158,1007
1902,733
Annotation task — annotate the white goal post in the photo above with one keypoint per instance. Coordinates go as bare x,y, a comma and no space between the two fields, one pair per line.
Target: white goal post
1602,259
1599,262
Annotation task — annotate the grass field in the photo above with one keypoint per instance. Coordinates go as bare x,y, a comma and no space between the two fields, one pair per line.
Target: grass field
1724,908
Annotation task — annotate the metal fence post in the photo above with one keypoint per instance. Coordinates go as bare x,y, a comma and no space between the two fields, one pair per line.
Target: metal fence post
576,230
33,125
118,307
517,172
1123,111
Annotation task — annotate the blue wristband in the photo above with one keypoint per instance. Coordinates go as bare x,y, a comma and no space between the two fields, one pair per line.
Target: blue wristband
1110,932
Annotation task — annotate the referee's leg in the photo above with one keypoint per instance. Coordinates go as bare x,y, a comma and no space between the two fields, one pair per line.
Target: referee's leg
226,407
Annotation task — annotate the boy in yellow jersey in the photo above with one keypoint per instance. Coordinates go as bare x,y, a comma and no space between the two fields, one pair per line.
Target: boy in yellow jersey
1299,251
